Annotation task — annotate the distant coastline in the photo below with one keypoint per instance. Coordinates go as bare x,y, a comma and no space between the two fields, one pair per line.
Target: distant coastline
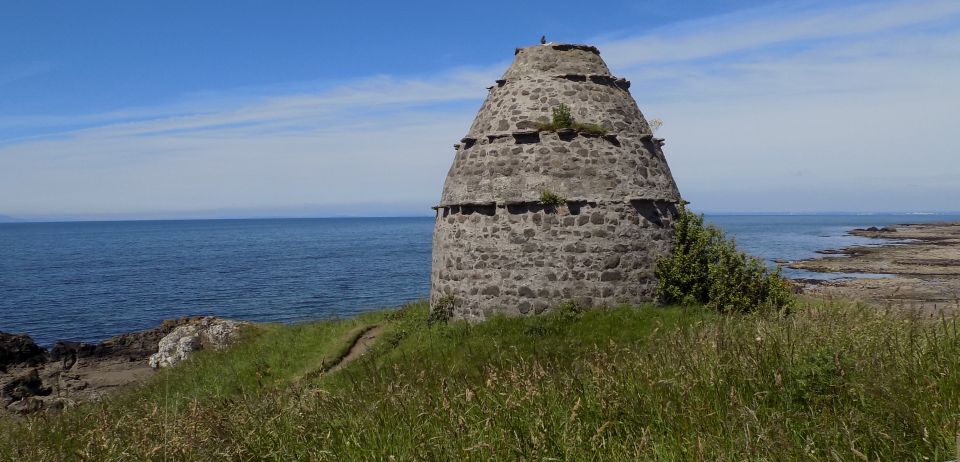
923,260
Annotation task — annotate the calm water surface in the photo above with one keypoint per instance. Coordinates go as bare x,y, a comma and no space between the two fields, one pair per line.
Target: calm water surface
88,281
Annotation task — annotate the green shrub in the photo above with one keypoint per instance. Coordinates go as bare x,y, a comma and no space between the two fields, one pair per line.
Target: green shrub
707,268
551,199
569,309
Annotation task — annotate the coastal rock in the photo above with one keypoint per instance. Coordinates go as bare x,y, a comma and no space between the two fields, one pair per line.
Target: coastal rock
132,346
19,349
141,345
22,388
26,406
76,372
916,268
199,334
872,231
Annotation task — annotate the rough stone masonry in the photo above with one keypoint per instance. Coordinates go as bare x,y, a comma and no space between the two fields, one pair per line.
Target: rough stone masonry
498,249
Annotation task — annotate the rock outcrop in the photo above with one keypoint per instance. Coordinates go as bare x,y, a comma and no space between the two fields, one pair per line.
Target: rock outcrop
23,386
132,346
199,334
32,379
19,349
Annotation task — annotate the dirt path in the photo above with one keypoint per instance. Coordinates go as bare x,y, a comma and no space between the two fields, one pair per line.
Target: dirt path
360,346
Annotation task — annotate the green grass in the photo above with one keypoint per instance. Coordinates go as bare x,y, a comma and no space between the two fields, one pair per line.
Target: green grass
830,381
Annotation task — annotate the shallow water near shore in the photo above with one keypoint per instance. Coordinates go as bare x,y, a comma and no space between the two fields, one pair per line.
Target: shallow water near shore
92,280
786,238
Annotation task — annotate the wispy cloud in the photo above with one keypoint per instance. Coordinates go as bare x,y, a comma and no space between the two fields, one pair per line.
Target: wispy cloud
776,25
792,108
12,72
859,98
376,140
352,100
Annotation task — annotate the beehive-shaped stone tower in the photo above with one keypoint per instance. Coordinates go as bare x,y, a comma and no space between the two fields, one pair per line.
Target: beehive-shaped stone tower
498,249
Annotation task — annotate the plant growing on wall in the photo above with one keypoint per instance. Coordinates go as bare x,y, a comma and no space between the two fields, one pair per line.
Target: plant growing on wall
563,118
655,124
551,199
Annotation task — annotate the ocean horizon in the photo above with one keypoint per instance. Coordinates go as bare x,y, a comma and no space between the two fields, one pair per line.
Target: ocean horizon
9,219
90,280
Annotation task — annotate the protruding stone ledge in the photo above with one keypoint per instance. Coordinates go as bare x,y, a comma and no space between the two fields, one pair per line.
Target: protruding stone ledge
608,80
566,134
529,135
483,208
519,136
599,79
574,201
525,131
526,136
565,47
574,46
572,77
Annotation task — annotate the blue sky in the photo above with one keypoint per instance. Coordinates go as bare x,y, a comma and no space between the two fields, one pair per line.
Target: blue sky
140,109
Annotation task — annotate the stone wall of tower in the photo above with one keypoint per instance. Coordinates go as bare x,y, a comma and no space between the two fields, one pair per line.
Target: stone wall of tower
517,166
526,258
496,249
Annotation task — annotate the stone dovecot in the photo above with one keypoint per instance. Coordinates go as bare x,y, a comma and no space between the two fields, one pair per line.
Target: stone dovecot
532,215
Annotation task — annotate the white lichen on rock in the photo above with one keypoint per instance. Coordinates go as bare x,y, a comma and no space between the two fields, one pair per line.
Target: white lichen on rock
207,333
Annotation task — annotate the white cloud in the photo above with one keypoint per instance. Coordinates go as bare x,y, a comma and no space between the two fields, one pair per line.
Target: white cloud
859,101
777,24
793,109
378,140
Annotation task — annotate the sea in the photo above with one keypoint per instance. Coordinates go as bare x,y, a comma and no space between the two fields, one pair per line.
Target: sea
87,281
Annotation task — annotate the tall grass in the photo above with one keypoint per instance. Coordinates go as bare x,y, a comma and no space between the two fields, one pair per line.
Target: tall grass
829,381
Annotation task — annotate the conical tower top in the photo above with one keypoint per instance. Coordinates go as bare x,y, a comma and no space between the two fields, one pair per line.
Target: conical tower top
508,156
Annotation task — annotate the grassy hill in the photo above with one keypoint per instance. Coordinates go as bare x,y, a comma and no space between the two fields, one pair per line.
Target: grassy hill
830,381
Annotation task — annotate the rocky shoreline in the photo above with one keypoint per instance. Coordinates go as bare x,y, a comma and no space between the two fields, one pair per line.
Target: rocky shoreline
920,262
34,379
